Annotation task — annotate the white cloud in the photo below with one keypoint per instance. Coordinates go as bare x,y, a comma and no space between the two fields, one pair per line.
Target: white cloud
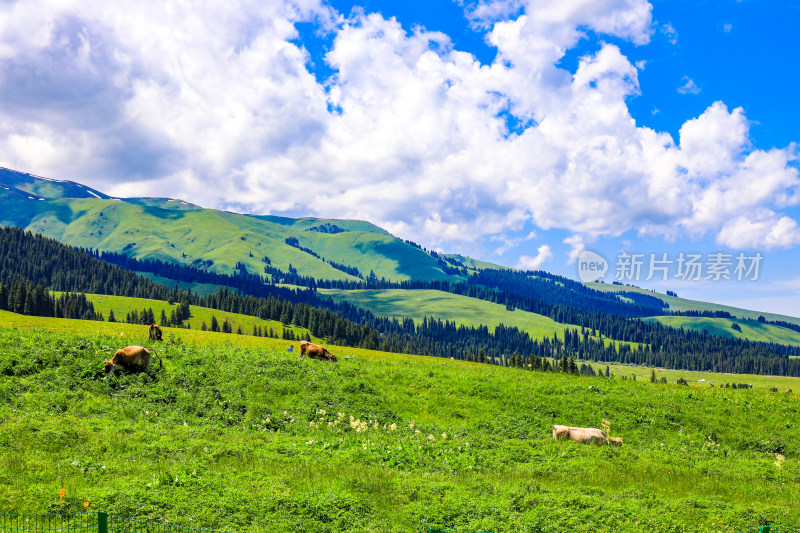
215,104
543,255
689,86
509,243
727,27
670,32
764,233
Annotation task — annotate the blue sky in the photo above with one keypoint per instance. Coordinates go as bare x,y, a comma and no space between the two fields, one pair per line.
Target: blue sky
517,131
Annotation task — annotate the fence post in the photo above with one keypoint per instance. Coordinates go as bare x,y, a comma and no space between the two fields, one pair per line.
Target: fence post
102,522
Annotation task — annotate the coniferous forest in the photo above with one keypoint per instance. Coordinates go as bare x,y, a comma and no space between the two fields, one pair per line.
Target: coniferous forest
32,265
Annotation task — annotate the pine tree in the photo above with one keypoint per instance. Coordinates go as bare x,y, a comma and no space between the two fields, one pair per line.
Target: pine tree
111,317
163,318
214,323
653,375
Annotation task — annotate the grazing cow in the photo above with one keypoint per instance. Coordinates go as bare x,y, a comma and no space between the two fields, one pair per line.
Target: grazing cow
582,435
132,358
155,332
316,351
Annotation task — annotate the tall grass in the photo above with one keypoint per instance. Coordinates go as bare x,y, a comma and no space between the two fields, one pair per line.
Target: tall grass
249,438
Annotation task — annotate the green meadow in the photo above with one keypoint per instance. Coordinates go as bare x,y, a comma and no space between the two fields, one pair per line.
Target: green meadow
750,329
122,305
420,303
236,434
684,304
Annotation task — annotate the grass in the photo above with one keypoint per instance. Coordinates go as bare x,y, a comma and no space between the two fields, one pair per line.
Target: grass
751,329
236,434
122,305
418,304
683,304
782,383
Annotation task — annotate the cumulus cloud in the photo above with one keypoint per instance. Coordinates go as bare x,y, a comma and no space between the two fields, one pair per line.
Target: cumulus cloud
765,232
533,263
216,104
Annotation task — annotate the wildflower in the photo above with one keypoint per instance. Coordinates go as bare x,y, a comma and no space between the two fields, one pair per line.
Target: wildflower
61,494
375,425
86,504
416,432
392,427
340,415
321,412
411,425
312,424
444,435
431,437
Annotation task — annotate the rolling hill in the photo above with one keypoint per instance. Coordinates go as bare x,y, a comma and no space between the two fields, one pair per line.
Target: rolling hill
684,304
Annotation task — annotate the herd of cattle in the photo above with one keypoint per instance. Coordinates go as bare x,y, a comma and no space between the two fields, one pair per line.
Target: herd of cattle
137,358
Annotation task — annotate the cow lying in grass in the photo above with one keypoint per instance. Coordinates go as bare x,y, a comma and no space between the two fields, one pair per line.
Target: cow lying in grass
316,351
584,435
132,358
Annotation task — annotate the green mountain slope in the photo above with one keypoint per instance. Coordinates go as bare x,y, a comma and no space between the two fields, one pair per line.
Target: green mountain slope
684,304
751,329
174,230
463,310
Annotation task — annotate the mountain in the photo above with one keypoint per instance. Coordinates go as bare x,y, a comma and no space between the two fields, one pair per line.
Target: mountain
178,231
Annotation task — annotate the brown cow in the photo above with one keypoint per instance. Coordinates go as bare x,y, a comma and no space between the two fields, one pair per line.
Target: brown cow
582,435
155,332
316,351
132,358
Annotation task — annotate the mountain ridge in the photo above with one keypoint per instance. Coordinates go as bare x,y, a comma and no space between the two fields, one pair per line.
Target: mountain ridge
179,231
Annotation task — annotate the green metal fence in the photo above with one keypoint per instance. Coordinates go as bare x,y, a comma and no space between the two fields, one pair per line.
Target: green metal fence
48,522
94,522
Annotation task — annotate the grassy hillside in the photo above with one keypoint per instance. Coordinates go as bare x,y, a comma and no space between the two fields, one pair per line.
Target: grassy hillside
683,304
418,304
174,230
122,305
253,439
751,329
